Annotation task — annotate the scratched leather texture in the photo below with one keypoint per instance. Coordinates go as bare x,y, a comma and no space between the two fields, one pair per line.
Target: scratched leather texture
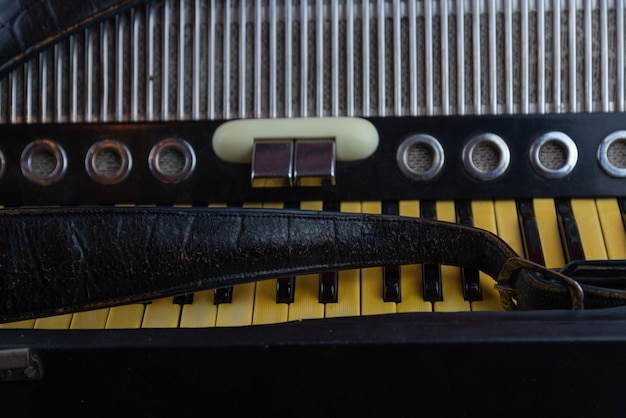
63,260
29,26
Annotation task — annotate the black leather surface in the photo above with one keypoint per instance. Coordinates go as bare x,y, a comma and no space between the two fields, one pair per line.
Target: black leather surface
29,26
58,260
63,260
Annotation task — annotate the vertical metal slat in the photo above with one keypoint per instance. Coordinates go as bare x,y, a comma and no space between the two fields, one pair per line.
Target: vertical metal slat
412,58
588,58
272,61
195,98
476,57
556,35
288,58
493,63
89,76
541,58
428,47
508,55
524,59
445,74
350,58
460,60
620,55
604,54
334,37
572,55
242,59
319,58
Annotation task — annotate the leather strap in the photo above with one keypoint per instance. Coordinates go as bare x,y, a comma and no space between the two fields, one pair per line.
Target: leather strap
29,26
62,260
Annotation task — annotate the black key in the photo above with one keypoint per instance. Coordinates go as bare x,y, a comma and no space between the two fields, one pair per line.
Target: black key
391,274
184,299
470,277
285,289
329,283
622,208
530,232
223,295
328,287
431,273
570,237
285,286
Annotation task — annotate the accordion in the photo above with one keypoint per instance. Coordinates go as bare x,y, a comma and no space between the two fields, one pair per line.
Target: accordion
503,115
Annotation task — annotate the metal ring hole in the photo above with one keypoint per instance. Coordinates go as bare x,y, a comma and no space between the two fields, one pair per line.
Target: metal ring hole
553,155
108,162
43,162
420,157
172,160
616,153
486,157
612,154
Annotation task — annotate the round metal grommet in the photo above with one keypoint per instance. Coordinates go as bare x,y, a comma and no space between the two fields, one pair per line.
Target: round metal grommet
172,160
108,162
553,155
43,162
420,157
486,157
612,154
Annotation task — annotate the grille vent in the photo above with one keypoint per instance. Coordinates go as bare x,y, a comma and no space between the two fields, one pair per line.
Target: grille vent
199,59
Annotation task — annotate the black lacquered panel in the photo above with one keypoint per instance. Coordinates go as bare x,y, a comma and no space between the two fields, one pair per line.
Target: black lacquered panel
377,177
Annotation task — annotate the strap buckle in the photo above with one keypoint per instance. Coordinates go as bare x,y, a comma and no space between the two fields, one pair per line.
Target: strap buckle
513,264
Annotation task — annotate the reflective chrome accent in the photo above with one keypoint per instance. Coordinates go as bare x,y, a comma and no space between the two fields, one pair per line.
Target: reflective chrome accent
603,154
39,148
272,163
568,147
486,140
314,162
3,164
269,59
432,146
125,163
179,145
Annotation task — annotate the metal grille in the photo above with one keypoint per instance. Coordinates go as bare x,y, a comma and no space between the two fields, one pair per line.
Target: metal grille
199,59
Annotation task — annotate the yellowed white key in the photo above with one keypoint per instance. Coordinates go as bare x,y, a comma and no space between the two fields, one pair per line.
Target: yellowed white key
372,301
266,310
201,313
451,281
90,320
161,313
411,275
25,324
588,222
126,316
348,282
306,304
545,214
239,311
507,227
612,228
54,322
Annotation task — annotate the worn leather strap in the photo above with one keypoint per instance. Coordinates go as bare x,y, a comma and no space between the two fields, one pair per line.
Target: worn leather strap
29,26
63,260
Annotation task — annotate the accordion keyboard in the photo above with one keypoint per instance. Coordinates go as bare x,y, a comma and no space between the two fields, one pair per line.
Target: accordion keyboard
598,223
